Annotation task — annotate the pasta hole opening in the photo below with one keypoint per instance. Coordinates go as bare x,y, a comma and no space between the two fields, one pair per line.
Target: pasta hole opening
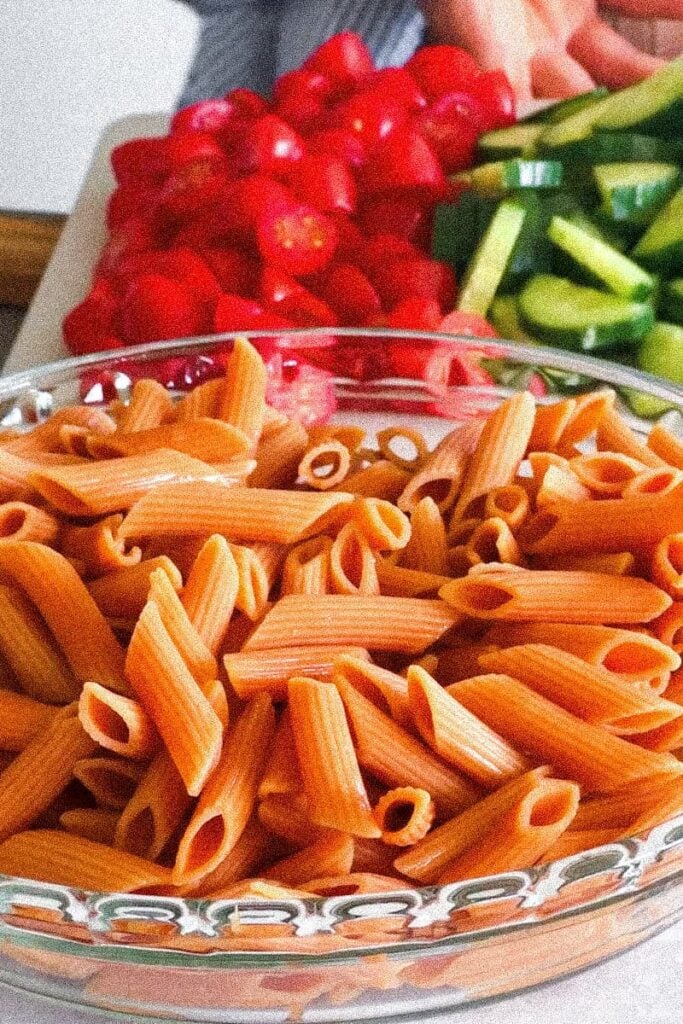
12,522
538,528
506,500
139,836
109,722
351,561
485,544
398,815
485,596
608,471
656,483
440,490
338,889
676,553
205,842
633,658
325,465
550,809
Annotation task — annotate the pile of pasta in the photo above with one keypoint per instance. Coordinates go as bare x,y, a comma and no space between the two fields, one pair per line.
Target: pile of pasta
244,659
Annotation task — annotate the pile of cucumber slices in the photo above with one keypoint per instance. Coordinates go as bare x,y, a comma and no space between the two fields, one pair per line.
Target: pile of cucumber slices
570,231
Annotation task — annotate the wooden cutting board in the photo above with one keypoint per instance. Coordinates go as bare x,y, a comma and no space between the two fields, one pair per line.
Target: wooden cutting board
26,244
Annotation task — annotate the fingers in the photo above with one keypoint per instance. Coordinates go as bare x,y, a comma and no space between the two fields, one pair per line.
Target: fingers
555,75
608,56
647,8
561,18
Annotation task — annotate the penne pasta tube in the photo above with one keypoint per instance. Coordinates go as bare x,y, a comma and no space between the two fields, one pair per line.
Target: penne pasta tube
596,759
522,595
395,757
201,401
426,861
286,816
330,856
282,775
616,524
391,440
257,567
95,823
123,593
242,403
521,835
666,445
373,856
588,691
353,884
457,736
498,453
386,690
21,720
211,592
550,422
278,455
327,761
96,488
228,799
426,547
384,526
493,541
667,737
240,513
45,436
571,842
41,771
397,581
382,479
653,481
460,662
30,651
306,568
621,563
209,440
65,859
80,629
621,807
404,815
117,723
170,694
441,474
150,405
586,415
606,473
184,637
154,810
111,780
349,435
253,850
613,434
509,503
560,484
20,521
15,473
269,671
325,465
404,624
351,563
99,547
667,565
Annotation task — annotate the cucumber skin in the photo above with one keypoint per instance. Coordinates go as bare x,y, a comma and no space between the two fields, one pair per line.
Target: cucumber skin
612,147
661,351
644,405
671,300
666,257
628,280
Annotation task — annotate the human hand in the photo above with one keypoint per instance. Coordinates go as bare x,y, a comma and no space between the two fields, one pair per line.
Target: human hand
549,48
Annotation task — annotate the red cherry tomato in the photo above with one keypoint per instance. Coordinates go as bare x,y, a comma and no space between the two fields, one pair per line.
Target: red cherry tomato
350,240
382,250
427,279
324,181
403,160
270,147
192,188
416,313
493,92
192,271
398,85
248,104
135,235
205,116
86,327
452,125
441,69
140,160
156,308
235,313
467,324
406,215
344,58
129,201
234,270
351,295
339,142
371,116
300,241
300,97
191,147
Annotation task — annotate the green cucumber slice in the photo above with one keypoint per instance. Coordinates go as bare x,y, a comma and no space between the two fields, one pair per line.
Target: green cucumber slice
565,108
533,252
487,266
644,405
603,147
635,191
517,140
570,315
501,176
661,247
620,274
504,315
671,300
661,352
459,226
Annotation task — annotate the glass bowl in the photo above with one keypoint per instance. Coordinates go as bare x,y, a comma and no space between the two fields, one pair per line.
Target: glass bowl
348,957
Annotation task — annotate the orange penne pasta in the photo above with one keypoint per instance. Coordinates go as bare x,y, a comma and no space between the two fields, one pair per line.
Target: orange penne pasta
441,474
606,473
74,619
208,440
391,440
618,809
329,856
117,723
426,548
498,454
170,694
586,416
386,690
616,524
254,849
391,754
458,736
426,861
95,823
597,760
571,842
667,737
550,422
38,665
588,691
668,628
404,815
21,719
493,541
397,581
666,445
96,488
286,816
560,483
123,592
201,401
250,673
150,405
521,595
111,780
306,568
621,563
521,835
41,771
633,656
184,637
65,859
154,810
242,513
653,481
257,566
325,465
461,662
351,563
278,456
381,623
382,524
382,479
45,436
282,773
19,521
243,401
332,781
667,564
228,799
99,546
614,435
509,503
211,591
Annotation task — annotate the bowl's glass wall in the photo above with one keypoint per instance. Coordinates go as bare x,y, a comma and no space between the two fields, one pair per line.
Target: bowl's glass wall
344,958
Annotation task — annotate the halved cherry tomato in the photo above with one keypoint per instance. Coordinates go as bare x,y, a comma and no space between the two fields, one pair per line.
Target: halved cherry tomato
398,85
350,240
270,147
129,201
441,69
351,295
416,314
132,236
190,147
299,240
300,97
234,270
384,249
156,308
495,95
192,188
371,116
140,160
406,214
404,159
425,278
284,295
324,181
344,58
86,327
248,104
184,265
452,125
235,313
204,116
339,142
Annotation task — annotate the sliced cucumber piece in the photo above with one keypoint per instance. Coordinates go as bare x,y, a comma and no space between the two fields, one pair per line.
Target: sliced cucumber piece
504,315
517,140
671,300
501,176
459,226
602,147
635,191
610,267
644,405
487,266
661,352
570,315
565,108
661,247
532,253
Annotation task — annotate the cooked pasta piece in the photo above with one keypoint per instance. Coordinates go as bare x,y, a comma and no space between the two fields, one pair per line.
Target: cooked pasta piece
426,548
584,420
286,816
45,436
442,472
184,637
211,591
397,581
111,780
249,672
550,422
243,401
606,473
654,481
330,856
30,651
278,455
669,627
257,568
66,859
386,690
282,775
351,563
99,546
667,737
404,815
208,440
666,445
150,405
525,595
201,401
154,811
461,661
171,695
382,479
509,503
306,568
458,736
21,719
21,521
384,526
621,563
228,799
254,849
390,441
667,565
95,823
123,592
327,761
325,465
555,480
407,624
614,435
117,723
493,541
